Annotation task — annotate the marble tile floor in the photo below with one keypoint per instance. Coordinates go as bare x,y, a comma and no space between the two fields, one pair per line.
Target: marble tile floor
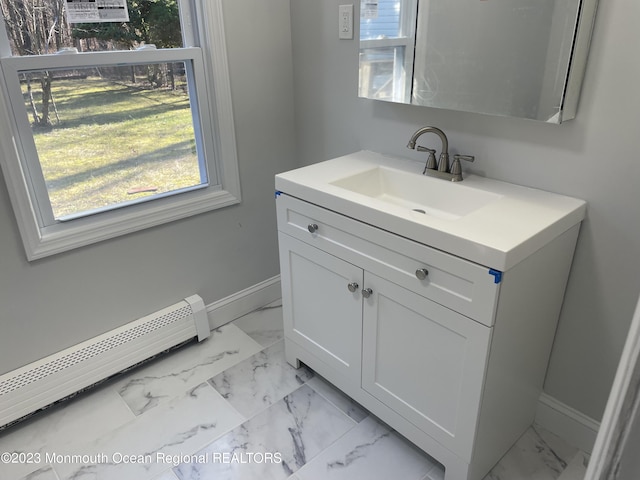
231,408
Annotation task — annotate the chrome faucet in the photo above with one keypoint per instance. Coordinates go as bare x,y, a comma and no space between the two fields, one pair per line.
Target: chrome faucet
441,170
443,162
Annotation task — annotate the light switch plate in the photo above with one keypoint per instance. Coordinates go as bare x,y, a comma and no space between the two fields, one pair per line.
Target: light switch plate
345,22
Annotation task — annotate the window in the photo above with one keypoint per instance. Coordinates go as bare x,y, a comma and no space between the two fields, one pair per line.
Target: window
387,38
113,124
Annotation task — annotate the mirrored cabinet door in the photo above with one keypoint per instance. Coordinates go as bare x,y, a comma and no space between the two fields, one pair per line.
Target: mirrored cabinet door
515,58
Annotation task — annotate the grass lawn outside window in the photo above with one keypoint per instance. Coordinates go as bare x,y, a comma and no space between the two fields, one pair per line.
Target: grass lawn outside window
112,142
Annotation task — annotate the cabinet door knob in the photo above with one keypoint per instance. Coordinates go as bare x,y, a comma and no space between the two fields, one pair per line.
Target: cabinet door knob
312,227
367,292
422,273
353,286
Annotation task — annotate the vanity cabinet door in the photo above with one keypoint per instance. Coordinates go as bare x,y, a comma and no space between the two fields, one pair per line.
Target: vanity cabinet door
322,305
424,361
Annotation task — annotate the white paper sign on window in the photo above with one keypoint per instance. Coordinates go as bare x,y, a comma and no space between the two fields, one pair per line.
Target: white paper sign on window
370,9
90,11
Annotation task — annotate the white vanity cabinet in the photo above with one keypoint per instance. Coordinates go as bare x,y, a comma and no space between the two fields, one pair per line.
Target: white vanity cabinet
450,353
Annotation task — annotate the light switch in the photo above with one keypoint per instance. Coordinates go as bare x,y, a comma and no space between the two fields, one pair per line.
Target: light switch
345,22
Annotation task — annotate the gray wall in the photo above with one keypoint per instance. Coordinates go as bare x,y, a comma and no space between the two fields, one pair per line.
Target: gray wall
50,304
594,157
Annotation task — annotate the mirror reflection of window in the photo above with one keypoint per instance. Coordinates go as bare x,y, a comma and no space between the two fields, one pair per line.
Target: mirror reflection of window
387,30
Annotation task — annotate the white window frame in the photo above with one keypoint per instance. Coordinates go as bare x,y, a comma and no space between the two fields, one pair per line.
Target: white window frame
205,48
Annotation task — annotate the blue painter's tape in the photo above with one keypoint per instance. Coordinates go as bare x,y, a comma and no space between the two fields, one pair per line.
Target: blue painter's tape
497,274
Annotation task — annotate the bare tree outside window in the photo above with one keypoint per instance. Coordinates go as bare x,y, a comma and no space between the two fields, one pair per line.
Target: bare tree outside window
36,27
40,27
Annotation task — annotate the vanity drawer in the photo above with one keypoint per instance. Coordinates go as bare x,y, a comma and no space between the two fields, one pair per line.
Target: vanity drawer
458,284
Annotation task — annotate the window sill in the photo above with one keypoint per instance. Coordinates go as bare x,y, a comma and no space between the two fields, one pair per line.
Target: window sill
40,243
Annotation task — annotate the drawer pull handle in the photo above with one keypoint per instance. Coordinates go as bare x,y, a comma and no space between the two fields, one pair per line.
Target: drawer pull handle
367,292
312,227
422,273
353,286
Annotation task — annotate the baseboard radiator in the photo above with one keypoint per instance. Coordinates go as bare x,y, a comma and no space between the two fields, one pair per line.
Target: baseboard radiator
59,376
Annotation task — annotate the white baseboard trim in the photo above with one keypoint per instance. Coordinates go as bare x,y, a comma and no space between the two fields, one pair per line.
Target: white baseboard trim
566,422
245,301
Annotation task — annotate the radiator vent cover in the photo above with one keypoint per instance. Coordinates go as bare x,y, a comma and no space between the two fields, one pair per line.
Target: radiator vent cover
30,388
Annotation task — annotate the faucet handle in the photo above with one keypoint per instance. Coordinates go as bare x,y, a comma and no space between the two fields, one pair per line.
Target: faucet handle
420,148
456,168
468,158
431,160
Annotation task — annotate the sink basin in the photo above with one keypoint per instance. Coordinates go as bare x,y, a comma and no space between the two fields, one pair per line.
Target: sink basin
485,221
415,192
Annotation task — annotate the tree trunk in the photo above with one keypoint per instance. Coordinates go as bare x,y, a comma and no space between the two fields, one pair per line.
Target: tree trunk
34,109
172,78
46,96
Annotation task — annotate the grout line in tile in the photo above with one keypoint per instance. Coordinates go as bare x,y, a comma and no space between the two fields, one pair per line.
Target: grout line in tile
318,378
55,473
336,406
273,343
256,317
168,475
223,433
355,424
276,399
258,412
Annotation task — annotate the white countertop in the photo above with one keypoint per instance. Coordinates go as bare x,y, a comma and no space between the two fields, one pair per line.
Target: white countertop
498,235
